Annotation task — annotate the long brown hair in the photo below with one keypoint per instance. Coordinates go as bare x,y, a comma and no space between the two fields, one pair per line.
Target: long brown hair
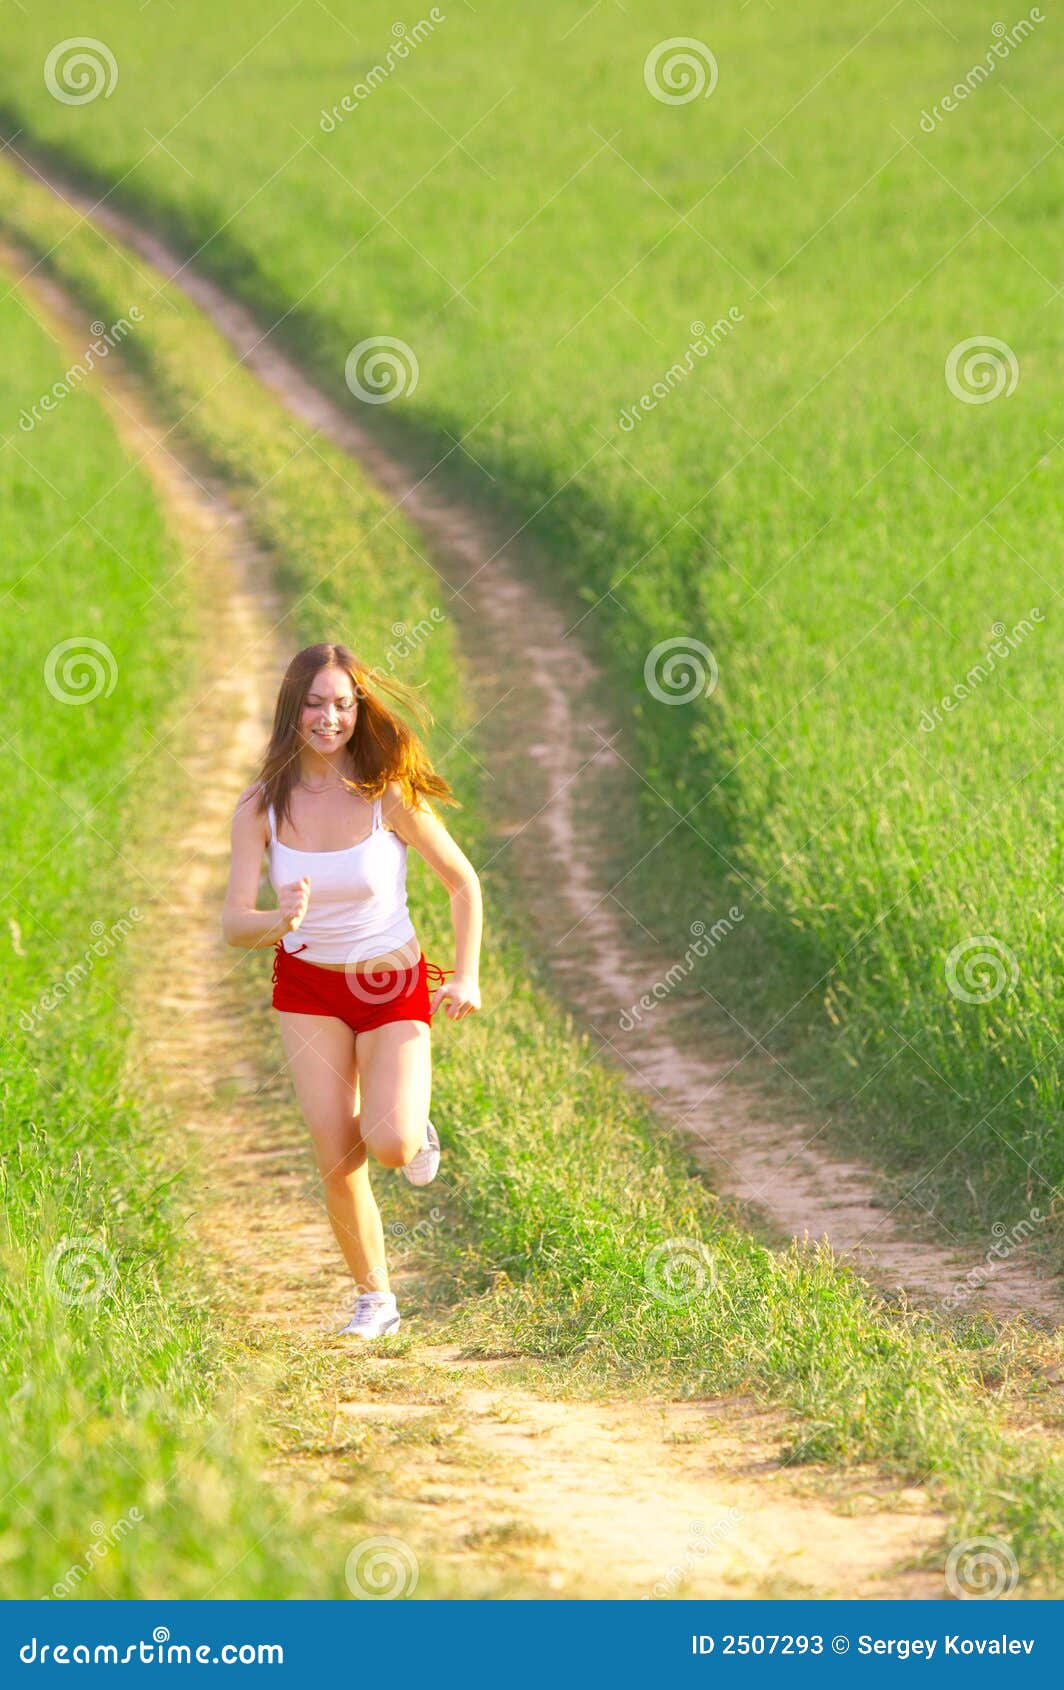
382,747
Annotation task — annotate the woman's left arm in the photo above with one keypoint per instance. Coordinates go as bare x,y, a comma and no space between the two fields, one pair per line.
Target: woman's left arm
427,834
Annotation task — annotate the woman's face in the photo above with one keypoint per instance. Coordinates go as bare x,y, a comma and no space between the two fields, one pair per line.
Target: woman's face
327,719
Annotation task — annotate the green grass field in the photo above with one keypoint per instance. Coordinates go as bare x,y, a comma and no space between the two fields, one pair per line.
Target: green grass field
563,1185
812,501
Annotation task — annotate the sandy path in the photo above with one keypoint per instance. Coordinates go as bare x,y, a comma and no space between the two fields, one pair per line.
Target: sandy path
653,1499
502,1489
706,1084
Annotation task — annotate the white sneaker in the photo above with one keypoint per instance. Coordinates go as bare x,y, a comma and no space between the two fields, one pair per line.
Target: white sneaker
423,1168
374,1315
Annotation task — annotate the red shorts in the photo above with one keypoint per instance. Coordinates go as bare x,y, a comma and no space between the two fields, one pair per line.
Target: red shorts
362,1000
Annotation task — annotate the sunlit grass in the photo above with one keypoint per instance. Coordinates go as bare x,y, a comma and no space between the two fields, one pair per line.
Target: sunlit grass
812,501
558,1187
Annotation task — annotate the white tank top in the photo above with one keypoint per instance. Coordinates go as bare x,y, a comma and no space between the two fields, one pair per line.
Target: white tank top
357,907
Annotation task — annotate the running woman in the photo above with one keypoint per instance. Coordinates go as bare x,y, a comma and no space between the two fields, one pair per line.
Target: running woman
341,793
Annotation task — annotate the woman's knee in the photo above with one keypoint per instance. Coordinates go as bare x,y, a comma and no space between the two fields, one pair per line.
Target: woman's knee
392,1143
341,1154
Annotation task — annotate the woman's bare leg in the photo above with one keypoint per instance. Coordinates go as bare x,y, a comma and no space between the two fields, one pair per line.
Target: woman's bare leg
395,1071
320,1052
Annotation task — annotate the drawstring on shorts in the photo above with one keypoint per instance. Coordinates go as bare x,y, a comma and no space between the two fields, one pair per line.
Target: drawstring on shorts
277,949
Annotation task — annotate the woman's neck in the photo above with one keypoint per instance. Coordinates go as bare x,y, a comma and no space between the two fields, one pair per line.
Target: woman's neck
321,775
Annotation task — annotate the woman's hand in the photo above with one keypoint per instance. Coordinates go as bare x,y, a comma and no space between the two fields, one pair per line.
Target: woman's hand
292,901
461,995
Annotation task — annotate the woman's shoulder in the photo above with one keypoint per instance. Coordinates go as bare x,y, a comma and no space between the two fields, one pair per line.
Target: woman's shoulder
395,805
392,804
250,803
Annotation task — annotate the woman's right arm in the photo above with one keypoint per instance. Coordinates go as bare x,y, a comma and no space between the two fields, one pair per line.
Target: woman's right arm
242,924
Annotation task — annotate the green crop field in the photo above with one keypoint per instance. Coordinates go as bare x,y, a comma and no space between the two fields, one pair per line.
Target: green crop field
712,353
758,350
560,1187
